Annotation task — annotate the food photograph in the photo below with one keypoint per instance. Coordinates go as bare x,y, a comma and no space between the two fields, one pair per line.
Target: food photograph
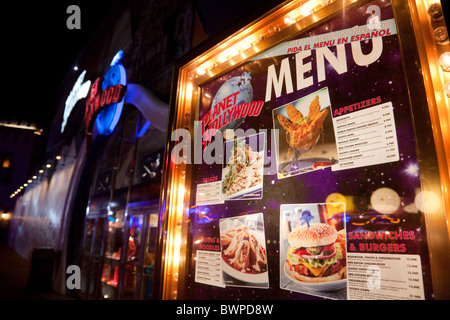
313,252
244,258
242,175
306,138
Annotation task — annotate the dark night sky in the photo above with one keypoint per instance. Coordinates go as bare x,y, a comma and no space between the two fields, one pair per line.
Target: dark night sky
40,50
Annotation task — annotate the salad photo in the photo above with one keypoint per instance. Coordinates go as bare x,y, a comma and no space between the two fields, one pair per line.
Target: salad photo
242,176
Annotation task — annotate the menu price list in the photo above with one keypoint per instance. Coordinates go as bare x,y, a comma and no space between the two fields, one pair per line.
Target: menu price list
209,193
208,268
366,137
384,277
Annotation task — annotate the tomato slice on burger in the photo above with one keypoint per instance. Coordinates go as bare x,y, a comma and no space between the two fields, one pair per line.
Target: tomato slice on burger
328,249
300,252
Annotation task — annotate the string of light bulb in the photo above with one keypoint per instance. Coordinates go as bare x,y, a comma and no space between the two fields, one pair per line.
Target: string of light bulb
34,179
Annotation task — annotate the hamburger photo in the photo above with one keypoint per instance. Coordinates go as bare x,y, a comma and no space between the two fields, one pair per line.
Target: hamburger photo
316,253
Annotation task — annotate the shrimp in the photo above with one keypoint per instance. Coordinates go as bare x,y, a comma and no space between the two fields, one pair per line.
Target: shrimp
286,123
294,115
317,123
302,132
314,108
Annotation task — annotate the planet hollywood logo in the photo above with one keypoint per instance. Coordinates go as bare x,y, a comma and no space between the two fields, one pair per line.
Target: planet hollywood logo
232,103
106,98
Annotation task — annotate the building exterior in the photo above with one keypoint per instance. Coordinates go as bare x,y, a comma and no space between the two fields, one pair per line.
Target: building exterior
88,175
20,141
191,154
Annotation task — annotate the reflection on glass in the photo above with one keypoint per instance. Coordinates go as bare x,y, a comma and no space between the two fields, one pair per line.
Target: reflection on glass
132,266
151,170
134,237
103,183
86,264
89,234
149,258
114,237
113,251
99,231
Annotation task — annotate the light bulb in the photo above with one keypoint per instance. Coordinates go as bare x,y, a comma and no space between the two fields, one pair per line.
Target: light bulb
447,89
444,61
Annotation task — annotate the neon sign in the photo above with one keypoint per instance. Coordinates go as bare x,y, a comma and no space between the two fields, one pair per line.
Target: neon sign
105,103
79,91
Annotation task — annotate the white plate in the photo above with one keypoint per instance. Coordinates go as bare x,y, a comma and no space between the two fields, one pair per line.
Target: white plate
241,193
245,277
319,286
257,188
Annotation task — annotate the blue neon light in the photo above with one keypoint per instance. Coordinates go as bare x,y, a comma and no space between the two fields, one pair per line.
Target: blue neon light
108,118
143,129
117,58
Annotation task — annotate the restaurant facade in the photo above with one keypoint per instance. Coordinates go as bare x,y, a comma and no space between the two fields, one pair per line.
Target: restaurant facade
300,153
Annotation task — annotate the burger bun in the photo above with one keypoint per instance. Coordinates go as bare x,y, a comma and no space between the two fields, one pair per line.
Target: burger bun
317,234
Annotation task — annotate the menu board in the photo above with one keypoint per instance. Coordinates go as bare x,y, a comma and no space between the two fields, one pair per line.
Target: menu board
309,182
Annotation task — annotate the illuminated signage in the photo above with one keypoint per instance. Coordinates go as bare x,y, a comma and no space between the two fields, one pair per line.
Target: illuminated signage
105,100
79,91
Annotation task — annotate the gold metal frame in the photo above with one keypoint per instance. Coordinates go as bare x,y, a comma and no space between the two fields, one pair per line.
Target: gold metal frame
270,29
435,157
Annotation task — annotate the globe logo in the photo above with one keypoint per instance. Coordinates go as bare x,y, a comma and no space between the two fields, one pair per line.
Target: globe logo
239,84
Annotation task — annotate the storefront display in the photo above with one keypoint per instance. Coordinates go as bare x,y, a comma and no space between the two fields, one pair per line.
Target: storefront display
124,159
304,155
123,202
304,178
113,253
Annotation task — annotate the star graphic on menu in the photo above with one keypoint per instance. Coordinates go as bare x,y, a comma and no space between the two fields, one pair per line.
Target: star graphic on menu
244,79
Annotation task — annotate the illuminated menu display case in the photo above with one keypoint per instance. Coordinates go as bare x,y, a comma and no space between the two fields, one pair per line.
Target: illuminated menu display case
307,159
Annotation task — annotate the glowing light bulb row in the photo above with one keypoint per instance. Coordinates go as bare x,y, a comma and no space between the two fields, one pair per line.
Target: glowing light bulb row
32,179
248,46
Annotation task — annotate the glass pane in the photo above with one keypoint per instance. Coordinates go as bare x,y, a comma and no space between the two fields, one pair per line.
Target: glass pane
103,183
149,258
150,156
88,237
150,169
114,237
132,267
110,276
106,160
129,281
85,262
93,280
85,266
113,251
99,231
134,238
130,118
110,279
